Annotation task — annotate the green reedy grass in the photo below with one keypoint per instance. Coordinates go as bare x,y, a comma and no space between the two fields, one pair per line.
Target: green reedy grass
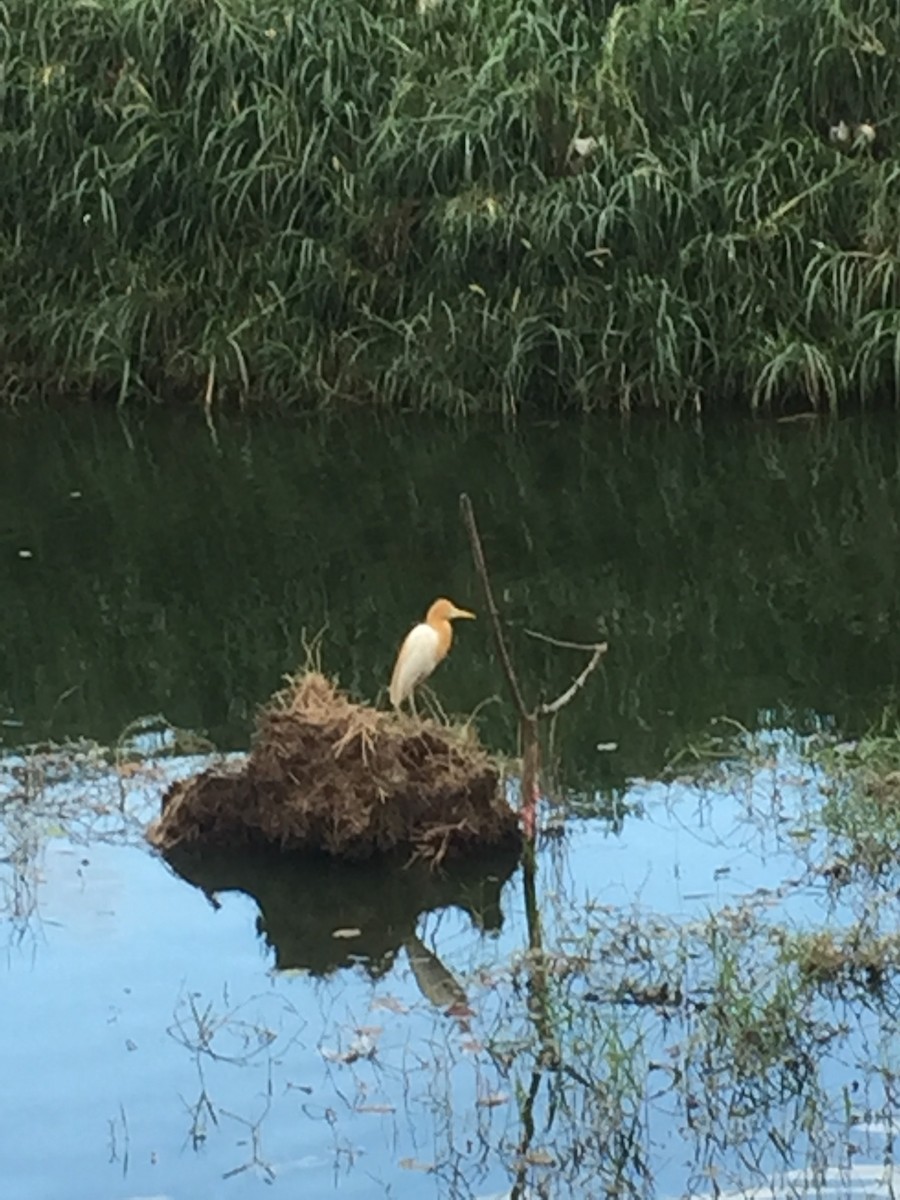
243,199
861,815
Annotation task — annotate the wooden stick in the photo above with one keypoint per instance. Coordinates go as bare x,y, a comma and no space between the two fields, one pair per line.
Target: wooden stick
552,641
468,516
547,710
528,720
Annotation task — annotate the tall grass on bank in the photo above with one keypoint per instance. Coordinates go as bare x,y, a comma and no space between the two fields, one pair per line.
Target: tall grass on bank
452,206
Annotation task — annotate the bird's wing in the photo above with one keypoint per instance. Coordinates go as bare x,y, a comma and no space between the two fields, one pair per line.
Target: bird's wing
417,659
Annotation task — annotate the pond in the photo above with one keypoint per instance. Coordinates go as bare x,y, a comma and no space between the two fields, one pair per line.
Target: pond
227,1026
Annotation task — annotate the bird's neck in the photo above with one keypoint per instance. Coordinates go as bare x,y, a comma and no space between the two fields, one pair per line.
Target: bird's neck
444,630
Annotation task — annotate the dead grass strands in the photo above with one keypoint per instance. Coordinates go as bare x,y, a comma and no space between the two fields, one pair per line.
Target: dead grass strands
330,776
857,956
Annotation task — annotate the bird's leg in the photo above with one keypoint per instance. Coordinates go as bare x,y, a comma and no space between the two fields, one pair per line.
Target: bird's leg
435,709
412,705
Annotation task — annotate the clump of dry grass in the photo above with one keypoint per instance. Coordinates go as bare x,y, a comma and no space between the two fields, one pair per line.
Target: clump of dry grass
857,955
331,776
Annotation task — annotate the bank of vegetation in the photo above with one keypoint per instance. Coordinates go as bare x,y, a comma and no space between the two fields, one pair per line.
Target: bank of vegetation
452,205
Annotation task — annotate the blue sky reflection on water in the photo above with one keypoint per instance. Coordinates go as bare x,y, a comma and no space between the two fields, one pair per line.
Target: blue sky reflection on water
105,983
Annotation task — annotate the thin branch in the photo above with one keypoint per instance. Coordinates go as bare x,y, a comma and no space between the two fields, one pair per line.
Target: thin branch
468,516
543,637
546,710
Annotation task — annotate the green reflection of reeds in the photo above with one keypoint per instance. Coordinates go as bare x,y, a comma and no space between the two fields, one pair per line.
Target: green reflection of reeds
746,573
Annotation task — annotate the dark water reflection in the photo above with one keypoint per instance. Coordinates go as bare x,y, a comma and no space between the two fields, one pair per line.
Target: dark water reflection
321,917
752,571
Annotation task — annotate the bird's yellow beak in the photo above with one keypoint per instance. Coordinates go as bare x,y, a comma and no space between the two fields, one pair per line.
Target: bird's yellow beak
462,612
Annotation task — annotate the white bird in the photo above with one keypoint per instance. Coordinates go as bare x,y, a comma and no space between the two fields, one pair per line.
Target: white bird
424,647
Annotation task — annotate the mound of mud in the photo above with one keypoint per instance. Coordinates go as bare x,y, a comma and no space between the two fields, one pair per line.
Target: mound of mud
329,776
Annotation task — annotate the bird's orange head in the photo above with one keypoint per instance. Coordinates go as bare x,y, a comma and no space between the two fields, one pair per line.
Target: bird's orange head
446,610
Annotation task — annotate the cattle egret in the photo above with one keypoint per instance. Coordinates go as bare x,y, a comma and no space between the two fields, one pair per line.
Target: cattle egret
423,648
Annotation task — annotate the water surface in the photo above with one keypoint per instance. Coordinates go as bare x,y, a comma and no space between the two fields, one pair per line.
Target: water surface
228,1026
